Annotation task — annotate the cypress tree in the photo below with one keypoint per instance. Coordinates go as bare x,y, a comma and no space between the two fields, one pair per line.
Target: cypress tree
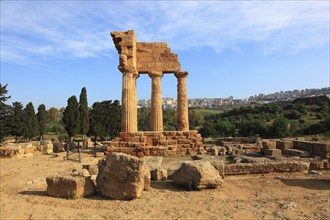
17,120
71,117
30,128
42,120
83,110
4,112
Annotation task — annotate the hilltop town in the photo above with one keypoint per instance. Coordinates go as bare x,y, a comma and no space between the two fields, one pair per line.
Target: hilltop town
171,103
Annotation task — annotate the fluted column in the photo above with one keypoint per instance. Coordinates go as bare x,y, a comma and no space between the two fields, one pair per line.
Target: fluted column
156,119
182,102
129,102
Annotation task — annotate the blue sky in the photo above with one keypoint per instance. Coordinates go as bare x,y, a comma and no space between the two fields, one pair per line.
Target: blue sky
51,49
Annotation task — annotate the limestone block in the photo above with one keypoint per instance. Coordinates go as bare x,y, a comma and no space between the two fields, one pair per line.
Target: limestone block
121,176
214,151
196,175
303,145
154,162
284,145
69,186
295,152
273,152
147,179
316,165
159,174
58,147
266,167
266,145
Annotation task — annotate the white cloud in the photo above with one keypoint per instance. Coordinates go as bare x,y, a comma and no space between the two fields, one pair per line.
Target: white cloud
74,29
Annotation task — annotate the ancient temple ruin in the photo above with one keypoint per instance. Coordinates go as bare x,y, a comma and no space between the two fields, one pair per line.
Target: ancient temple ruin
154,59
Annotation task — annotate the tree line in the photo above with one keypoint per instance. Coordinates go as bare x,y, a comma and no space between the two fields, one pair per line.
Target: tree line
102,120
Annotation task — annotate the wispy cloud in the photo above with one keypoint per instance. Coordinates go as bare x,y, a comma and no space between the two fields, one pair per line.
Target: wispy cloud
47,30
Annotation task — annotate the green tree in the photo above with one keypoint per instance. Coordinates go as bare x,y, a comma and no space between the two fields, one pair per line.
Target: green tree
17,120
30,129
280,127
105,119
71,117
4,112
170,120
53,115
42,120
208,129
225,128
196,119
144,119
83,111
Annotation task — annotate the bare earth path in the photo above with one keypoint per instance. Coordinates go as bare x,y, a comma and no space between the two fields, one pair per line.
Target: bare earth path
269,196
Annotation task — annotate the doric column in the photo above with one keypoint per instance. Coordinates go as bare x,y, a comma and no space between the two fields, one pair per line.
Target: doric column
156,119
182,102
129,102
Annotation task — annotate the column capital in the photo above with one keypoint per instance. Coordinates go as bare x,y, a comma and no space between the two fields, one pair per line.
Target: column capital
181,74
154,74
127,69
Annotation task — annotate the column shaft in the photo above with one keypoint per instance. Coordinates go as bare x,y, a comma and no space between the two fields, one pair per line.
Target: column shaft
182,101
156,119
129,103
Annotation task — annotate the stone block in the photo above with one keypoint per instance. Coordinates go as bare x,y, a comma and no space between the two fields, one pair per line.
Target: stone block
266,145
298,153
69,186
196,175
154,162
183,141
121,176
284,145
273,152
303,145
159,174
316,165
266,167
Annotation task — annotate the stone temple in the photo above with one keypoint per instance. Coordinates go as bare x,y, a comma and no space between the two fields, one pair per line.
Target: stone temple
154,59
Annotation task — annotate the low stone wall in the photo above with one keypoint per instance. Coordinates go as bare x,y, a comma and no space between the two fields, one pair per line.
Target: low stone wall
166,143
266,167
26,149
315,148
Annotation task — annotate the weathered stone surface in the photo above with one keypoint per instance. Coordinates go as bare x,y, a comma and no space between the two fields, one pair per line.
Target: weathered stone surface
154,162
70,186
216,162
17,150
266,145
182,106
197,175
266,167
284,145
298,153
273,152
121,176
58,147
159,174
147,179
93,169
156,115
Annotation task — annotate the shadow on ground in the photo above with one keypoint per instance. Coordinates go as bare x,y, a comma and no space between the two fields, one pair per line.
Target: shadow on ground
34,193
165,185
313,184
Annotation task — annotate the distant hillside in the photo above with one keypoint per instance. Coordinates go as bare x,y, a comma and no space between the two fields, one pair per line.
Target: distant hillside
303,116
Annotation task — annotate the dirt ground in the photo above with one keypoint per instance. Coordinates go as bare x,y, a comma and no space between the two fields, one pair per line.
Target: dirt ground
270,196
